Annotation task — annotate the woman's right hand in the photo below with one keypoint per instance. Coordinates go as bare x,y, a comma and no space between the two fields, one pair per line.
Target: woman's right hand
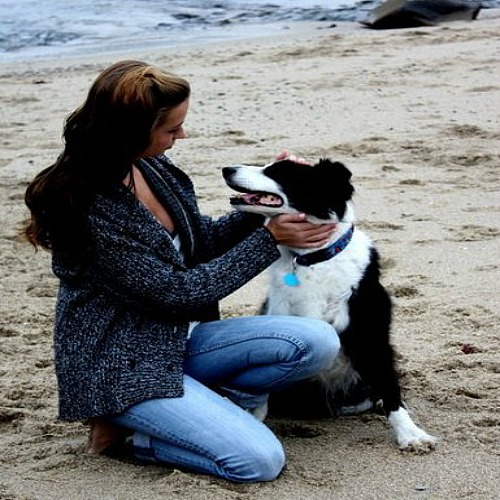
294,231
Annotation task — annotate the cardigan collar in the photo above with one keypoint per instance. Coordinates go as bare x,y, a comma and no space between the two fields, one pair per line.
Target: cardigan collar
163,185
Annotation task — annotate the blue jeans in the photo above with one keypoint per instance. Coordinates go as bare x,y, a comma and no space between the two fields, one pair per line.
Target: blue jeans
208,430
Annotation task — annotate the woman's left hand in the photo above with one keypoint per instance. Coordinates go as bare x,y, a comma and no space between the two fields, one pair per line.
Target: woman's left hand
285,155
294,231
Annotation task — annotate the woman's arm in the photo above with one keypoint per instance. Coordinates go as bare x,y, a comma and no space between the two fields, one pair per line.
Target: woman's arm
132,271
220,235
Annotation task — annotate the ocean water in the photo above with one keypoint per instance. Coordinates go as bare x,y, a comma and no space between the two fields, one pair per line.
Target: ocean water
48,28
32,29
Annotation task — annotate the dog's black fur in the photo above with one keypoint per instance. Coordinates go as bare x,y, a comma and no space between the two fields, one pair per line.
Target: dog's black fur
323,192
366,342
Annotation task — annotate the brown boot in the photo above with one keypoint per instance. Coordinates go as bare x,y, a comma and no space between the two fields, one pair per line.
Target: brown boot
104,436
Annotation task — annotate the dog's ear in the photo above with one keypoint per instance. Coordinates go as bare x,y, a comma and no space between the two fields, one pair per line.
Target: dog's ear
335,168
335,185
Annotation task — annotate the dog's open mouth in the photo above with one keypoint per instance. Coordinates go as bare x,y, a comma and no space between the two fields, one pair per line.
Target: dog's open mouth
257,199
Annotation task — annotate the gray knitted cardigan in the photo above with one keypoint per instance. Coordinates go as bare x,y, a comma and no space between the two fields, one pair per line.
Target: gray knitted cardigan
122,320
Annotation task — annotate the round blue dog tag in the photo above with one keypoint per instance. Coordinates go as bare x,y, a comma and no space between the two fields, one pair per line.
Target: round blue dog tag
291,279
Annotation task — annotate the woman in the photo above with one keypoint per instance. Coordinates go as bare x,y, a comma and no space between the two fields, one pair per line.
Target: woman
139,345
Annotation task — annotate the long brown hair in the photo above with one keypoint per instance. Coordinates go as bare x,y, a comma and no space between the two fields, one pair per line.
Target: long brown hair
102,139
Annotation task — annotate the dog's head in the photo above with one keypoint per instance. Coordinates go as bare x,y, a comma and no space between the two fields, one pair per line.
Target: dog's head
322,191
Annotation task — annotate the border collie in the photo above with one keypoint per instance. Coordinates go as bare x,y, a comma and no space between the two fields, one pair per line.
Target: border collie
338,283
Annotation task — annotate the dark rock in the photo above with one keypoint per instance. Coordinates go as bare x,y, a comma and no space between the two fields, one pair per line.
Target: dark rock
413,13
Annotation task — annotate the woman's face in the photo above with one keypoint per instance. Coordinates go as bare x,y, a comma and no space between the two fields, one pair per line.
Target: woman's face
168,131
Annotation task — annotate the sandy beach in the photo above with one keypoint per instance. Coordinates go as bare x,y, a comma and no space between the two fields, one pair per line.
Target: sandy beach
415,114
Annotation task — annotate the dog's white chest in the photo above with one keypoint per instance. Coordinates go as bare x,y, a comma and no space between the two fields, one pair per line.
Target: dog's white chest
323,289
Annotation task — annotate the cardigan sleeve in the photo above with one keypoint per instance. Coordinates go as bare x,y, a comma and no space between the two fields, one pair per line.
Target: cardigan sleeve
220,235
132,271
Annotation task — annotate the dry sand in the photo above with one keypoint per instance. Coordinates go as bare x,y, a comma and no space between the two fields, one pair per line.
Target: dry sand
415,114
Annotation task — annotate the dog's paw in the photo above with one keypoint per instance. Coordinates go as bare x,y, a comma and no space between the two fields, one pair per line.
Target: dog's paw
418,442
409,436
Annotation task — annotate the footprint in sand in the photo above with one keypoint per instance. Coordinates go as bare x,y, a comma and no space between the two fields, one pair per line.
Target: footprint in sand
298,430
487,209
6,331
390,168
471,232
473,319
486,88
387,263
414,311
412,182
8,416
486,268
42,290
469,393
475,160
405,291
466,131
238,138
384,225
486,421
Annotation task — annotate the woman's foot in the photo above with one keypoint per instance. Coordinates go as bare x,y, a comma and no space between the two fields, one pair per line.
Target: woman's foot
105,437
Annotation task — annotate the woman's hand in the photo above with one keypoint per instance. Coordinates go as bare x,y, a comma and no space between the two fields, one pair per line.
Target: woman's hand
285,155
294,231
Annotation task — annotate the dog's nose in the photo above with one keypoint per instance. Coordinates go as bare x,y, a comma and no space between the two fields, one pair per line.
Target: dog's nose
227,172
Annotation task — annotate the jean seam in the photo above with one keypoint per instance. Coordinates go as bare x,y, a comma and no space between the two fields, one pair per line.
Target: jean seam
174,439
218,465
298,344
283,336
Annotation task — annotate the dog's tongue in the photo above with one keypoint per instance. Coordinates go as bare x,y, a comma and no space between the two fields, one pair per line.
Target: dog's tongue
261,199
250,199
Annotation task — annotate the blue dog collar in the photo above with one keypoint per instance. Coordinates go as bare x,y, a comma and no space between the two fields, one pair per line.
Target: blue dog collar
324,254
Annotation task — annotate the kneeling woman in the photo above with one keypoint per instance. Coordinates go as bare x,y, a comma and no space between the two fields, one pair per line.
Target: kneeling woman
139,344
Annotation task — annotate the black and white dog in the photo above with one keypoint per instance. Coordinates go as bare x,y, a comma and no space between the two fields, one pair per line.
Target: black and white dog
338,283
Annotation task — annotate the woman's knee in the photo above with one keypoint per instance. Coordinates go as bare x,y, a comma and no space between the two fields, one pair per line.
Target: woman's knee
322,341
244,461
255,463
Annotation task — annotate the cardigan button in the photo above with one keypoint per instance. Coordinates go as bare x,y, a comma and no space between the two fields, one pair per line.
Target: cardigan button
131,364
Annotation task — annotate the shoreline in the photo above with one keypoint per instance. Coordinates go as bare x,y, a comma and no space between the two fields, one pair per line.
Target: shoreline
297,30
412,113
280,33
197,39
